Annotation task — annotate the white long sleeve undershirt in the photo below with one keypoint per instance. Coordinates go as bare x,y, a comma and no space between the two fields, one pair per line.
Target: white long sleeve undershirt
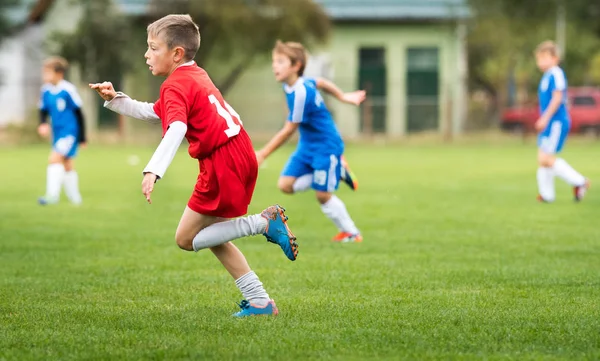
164,154
124,105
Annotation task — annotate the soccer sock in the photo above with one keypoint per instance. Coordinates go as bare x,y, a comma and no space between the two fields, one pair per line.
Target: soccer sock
335,210
567,173
252,289
545,179
54,178
303,183
71,184
224,232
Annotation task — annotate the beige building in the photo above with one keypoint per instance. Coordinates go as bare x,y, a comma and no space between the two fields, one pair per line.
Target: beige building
409,55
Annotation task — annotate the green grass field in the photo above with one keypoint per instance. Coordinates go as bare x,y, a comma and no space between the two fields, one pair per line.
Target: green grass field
458,262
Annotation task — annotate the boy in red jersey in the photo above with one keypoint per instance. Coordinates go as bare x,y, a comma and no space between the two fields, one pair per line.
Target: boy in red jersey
191,106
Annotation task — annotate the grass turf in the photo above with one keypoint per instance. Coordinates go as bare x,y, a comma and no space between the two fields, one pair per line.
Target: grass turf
458,262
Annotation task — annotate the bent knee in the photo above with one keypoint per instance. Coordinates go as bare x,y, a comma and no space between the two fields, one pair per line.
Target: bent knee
285,186
323,197
184,242
546,160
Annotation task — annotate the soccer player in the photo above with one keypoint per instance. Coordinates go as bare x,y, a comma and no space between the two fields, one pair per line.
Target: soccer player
317,162
60,100
554,125
191,106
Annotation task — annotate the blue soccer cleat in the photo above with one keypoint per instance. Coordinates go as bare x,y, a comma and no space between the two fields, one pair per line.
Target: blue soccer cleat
248,309
43,201
278,232
347,176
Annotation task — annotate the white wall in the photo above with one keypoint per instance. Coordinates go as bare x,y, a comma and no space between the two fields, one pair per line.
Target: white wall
12,83
21,58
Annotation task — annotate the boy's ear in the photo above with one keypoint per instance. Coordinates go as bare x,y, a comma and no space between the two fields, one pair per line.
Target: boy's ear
179,53
297,65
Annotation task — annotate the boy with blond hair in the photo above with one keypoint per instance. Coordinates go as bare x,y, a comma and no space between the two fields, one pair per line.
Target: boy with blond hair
59,100
191,106
318,161
553,125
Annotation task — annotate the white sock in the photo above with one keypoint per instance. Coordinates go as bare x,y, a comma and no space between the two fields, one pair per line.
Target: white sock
224,232
545,179
252,289
54,178
71,184
335,210
303,183
567,173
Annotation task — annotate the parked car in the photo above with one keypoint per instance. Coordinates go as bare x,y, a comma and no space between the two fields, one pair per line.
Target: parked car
584,109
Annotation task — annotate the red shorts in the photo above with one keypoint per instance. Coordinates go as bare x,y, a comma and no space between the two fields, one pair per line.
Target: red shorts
226,181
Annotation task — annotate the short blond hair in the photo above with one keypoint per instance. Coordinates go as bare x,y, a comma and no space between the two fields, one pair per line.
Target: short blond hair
549,47
57,63
294,51
178,30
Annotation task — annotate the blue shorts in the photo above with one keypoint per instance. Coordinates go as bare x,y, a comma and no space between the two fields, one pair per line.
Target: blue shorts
552,139
326,170
65,145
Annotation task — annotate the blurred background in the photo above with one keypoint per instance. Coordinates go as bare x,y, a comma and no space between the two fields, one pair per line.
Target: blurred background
440,67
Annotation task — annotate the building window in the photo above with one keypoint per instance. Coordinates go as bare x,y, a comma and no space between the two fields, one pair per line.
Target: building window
372,78
422,89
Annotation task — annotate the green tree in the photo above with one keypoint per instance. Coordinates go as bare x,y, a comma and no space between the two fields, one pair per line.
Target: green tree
100,42
236,32
6,26
504,33
99,46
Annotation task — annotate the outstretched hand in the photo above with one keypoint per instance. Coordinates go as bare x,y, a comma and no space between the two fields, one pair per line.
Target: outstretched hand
355,97
105,90
541,124
148,185
44,130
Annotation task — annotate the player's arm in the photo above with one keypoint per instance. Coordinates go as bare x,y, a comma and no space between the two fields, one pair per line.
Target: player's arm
81,124
355,97
43,116
163,156
176,118
43,127
277,141
555,102
120,103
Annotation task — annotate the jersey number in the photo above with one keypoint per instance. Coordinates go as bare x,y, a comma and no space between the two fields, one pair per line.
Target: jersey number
227,113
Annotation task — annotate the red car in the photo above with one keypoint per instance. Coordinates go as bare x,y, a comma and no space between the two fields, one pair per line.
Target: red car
584,109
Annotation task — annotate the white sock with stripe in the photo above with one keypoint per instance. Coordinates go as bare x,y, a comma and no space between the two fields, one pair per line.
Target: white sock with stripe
563,170
336,210
224,232
71,184
252,289
545,179
54,179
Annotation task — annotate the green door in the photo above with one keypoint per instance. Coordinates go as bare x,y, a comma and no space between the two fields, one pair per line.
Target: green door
422,89
372,78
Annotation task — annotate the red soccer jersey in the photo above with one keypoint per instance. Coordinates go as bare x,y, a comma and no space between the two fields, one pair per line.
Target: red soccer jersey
189,95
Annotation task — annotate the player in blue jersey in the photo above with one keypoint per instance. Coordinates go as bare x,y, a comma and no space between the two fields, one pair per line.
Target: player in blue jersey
317,162
60,100
553,125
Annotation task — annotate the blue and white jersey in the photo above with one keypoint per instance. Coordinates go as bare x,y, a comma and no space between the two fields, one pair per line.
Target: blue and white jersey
61,101
318,133
554,79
